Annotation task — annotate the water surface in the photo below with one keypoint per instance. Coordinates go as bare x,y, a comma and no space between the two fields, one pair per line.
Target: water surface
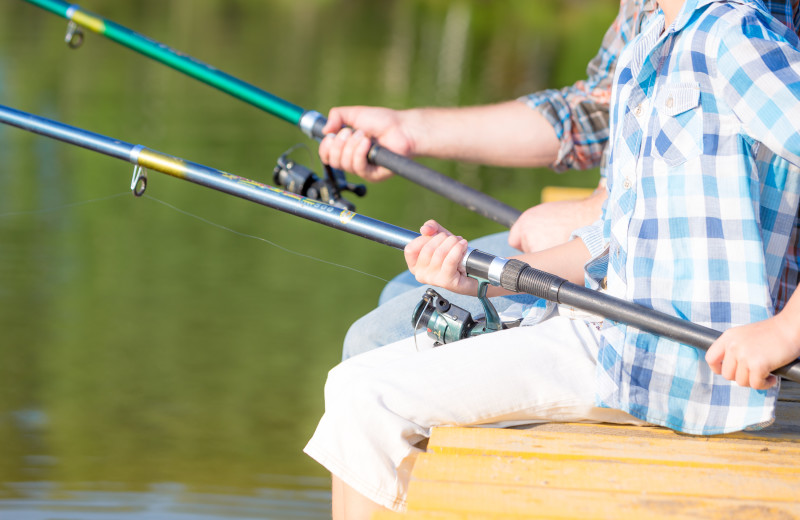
156,360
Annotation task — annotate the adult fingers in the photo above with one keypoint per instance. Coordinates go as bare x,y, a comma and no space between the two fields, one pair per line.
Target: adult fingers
350,150
331,147
360,160
338,118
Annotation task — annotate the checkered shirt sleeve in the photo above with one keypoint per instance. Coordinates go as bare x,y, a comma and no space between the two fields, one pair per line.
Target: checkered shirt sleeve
579,113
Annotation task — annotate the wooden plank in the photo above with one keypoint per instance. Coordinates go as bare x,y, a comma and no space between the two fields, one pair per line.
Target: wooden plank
556,193
736,482
790,391
586,471
446,515
559,503
574,441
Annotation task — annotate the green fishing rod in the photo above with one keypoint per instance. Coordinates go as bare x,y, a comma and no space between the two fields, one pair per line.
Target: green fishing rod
510,274
309,121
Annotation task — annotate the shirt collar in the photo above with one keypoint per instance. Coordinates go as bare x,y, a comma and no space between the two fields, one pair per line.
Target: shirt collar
691,6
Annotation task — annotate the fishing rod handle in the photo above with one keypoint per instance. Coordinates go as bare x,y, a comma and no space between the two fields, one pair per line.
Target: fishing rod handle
653,321
445,186
312,123
515,275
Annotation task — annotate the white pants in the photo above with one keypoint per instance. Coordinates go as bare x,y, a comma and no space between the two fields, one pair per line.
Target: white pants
380,404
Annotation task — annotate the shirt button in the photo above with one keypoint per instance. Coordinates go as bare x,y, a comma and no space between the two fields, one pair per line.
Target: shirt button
670,101
638,110
627,184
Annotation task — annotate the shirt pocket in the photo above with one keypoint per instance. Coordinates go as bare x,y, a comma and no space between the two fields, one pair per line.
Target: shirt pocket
678,129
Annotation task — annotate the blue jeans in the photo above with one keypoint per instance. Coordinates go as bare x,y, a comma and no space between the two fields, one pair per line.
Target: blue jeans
391,320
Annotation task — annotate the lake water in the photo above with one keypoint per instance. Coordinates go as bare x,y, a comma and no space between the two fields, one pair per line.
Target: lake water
164,357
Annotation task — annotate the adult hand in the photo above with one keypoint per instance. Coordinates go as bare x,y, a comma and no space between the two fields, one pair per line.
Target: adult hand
435,258
552,223
748,353
350,132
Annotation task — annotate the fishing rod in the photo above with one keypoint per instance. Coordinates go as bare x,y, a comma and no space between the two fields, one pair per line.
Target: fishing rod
309,121
437,313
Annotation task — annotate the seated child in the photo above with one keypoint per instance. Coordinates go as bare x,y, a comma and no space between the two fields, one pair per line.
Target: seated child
702,211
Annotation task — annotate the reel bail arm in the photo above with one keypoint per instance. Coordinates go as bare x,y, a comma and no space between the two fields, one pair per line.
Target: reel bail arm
298,179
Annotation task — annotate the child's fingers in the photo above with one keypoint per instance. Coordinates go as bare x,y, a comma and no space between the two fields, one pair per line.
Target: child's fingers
769,382
430,256
452,261
742,374
440,272
419,251
728,369
443,248
431,228
760,378
715,355
412,251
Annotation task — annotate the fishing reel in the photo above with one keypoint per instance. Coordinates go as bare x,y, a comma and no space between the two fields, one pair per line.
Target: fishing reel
298,179
447,323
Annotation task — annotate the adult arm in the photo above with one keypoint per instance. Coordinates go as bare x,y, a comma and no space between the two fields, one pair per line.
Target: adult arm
551,223
503,134
563,128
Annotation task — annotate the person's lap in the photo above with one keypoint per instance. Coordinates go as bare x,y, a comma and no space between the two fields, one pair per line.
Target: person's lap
381,403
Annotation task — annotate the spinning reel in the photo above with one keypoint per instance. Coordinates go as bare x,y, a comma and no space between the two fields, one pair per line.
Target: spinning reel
447,323
296,178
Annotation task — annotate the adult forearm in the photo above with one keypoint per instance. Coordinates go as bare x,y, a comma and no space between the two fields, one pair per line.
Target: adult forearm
506,134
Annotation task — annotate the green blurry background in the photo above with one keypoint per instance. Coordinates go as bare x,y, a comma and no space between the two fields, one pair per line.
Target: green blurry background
145,351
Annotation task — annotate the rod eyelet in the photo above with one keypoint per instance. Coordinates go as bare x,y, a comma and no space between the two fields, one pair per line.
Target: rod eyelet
74,36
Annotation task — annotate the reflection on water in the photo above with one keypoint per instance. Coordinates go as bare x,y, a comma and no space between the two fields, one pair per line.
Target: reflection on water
41,500
153,365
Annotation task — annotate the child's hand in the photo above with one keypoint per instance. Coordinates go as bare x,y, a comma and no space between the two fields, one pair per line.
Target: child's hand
435,259
747,354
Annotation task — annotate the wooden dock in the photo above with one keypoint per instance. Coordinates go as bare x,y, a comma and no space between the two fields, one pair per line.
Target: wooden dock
582,471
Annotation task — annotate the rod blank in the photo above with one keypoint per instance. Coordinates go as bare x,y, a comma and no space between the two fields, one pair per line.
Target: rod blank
439,183
513,275
520,277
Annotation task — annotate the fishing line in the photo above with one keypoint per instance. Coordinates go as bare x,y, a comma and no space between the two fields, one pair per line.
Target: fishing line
127,193
416,325
56,208
282,248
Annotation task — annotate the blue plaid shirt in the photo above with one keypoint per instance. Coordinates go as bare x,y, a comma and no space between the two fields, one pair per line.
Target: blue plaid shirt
703,203
579,113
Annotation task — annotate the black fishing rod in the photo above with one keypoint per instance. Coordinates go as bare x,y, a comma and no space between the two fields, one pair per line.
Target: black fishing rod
510,274
309,121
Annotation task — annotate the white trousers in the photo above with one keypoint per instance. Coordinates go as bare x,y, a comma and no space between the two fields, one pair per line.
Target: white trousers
380,404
